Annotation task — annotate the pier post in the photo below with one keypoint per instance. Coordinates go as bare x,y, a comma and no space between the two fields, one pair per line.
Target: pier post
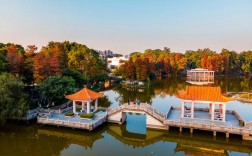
214,133
180,129
227,135
191,130
168,128
246,137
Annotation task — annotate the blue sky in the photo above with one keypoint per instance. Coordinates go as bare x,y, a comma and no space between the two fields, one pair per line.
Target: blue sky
125,26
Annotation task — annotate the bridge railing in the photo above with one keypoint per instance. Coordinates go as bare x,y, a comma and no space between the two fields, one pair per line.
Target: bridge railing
249,124
142,107
211,127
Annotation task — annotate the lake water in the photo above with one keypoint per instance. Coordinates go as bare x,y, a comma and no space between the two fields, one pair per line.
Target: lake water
131,138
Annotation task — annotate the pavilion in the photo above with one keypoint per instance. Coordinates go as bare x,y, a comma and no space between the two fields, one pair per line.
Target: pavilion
204,95
200,76
85,96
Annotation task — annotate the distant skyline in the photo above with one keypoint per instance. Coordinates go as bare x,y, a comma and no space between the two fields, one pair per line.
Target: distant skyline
126,26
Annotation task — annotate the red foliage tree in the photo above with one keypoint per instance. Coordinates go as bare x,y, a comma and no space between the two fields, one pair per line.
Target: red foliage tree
14,59
54,65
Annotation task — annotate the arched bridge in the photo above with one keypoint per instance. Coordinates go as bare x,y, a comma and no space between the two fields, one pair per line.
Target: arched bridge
154,118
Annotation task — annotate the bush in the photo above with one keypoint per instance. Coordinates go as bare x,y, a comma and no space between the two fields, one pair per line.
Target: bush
89,116
69,114
78,109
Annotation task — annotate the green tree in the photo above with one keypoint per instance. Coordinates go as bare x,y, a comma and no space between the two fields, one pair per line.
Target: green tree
246,58
13,100
54,89
3,62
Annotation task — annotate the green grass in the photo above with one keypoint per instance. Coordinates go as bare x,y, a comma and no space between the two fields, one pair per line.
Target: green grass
69,114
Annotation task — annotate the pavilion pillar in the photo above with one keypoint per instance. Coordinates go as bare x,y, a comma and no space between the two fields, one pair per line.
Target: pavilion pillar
74,106
82,105
96,104
212,111
88,106
210,108
183,109
192,109
224,112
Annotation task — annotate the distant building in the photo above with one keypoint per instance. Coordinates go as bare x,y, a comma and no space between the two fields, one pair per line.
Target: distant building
105,53
200,76
116,62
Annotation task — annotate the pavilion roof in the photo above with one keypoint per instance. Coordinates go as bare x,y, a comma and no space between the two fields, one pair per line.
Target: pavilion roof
201,93
84,95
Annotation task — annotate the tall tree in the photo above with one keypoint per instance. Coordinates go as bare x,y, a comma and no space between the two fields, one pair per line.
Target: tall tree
54,89
14,59
13,100
29,64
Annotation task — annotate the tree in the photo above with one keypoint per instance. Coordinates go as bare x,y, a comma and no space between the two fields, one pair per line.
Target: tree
3,62
54,65
29,64
204,62
246,62
14,59
54,89
130,69
79,58
41,66
78,77
13,100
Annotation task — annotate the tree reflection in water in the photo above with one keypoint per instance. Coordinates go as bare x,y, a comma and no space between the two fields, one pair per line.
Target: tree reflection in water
46,140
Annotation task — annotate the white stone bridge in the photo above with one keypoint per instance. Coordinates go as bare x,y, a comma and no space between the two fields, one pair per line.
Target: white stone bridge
154,118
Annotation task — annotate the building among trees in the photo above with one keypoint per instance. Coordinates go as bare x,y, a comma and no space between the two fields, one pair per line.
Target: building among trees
116,62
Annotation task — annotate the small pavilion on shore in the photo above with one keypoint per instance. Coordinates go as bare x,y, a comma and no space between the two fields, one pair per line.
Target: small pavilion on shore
210,96
85,96
200,75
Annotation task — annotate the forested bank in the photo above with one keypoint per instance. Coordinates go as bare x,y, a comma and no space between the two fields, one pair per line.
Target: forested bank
30,77
152,63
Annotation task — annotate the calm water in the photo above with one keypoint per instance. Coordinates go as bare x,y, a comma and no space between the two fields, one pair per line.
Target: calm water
131,138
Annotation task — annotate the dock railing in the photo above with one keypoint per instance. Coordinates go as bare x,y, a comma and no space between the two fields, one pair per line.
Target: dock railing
208,127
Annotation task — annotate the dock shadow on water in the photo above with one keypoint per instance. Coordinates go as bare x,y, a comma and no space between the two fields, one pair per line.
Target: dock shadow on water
113,140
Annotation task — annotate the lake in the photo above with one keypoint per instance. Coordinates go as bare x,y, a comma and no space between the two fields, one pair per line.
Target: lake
132,138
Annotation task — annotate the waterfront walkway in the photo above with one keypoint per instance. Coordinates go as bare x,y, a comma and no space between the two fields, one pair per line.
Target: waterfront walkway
75,121
155,119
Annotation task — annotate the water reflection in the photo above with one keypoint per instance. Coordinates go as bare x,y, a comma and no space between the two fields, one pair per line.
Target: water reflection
170,86
45,140
112,139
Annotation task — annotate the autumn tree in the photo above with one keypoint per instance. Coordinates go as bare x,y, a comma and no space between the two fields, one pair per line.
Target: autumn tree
29,64
14,59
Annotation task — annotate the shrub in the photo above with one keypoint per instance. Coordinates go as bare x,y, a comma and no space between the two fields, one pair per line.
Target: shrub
78,109
89,116
69,114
